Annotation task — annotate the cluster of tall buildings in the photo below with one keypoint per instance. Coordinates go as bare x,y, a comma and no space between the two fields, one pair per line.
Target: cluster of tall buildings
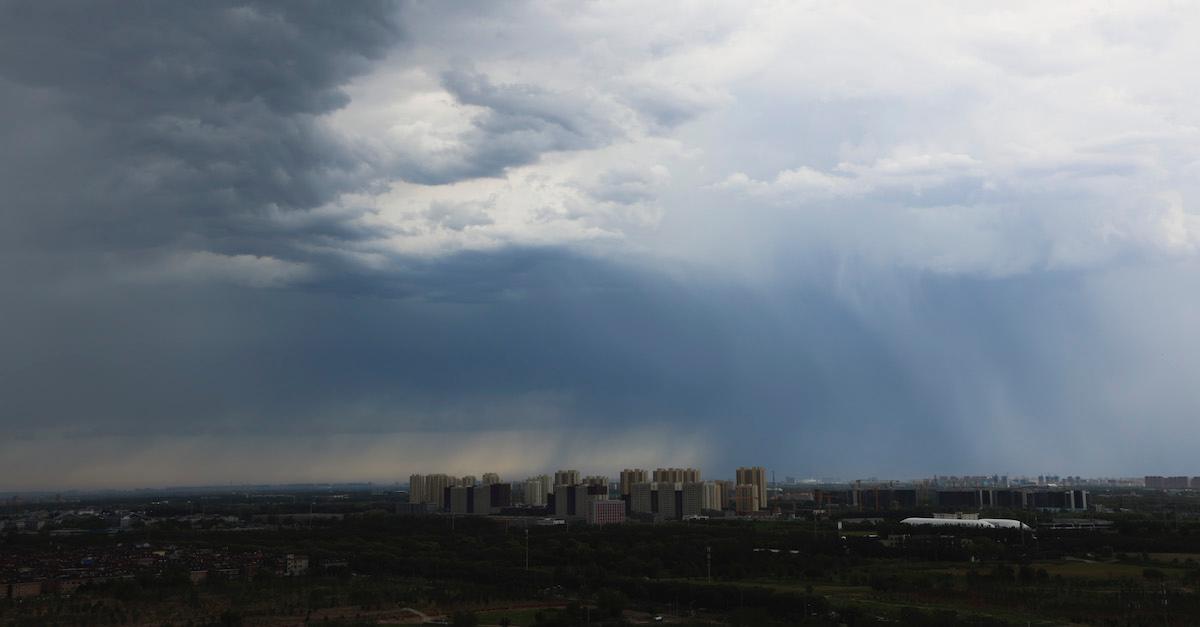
1040,481
661,494
1156,482
884,497
678,493
460,494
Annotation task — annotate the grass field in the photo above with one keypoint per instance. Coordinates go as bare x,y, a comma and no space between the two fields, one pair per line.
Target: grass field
1100,570
1170,558
517,617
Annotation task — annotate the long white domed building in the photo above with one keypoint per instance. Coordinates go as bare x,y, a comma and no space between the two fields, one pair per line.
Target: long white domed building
975,523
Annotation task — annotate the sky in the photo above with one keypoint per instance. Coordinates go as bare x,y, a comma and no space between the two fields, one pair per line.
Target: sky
301,241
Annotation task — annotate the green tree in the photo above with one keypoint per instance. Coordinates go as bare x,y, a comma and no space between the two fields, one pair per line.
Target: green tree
611,603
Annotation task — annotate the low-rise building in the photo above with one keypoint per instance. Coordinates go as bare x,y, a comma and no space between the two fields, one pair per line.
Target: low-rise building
606,512
295,565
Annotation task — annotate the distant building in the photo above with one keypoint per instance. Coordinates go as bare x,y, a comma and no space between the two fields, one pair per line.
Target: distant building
670,500
757,477
566,477
1156,482
489,478
1028,498
676,475
468,480
746,497
879,498
536,490
491,498
433,490
630,476
725,493
295,565
606,512
462,499
573,501
700,496
596,480
642,498
662,499
416,489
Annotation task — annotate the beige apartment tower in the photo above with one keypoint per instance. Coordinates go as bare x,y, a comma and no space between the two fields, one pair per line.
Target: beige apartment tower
757,477
746,498
630,476
676,475
435,489
566,477
416,489
596,480
641,497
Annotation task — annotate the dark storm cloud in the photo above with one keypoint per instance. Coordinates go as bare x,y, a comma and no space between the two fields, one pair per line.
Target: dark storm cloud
182,259
523,339
919,375
146,124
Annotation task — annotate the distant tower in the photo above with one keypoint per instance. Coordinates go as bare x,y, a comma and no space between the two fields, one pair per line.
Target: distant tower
416,489
566,477
757,477
630,476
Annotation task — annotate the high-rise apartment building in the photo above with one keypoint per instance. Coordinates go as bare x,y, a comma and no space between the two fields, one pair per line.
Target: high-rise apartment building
547,485
492,497
642,498
757,477
566,477
663,499
630,476
537,489
596,480
670,500
462,499
676,475
489,478
468,480
416,489
724,493
694,497
699,496
434,490
574,501
746,498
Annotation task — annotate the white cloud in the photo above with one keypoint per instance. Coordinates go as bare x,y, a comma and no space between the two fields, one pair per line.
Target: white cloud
991,140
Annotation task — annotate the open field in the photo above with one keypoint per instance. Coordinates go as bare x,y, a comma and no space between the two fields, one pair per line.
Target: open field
1102,570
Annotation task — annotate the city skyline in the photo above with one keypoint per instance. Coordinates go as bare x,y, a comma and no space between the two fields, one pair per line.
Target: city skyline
777,479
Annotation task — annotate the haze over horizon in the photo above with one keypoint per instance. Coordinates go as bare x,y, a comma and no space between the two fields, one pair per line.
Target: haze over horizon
294,241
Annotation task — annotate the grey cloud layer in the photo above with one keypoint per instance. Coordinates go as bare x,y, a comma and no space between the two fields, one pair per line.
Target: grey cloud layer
830,276
145,124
